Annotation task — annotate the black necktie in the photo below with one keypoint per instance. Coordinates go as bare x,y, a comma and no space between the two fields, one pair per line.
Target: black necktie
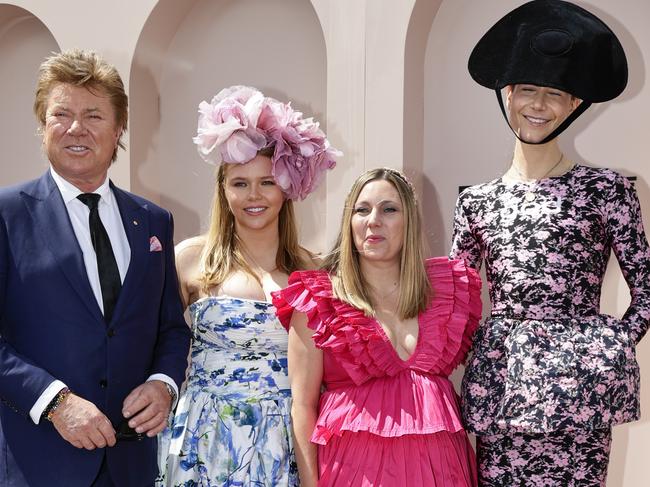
109,275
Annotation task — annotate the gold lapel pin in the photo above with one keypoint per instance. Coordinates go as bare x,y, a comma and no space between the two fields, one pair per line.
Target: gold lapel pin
135,222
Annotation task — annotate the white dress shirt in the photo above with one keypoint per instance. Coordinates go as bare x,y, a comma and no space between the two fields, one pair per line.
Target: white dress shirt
109,214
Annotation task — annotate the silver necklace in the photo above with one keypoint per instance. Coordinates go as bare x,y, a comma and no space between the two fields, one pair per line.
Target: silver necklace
530,194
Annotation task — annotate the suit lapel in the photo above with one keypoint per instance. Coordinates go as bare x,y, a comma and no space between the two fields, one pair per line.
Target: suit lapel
52,222
135,218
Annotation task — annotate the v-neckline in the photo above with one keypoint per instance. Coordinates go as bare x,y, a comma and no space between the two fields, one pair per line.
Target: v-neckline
384,336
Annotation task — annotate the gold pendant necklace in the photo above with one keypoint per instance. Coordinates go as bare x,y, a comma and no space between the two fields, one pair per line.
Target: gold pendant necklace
531,194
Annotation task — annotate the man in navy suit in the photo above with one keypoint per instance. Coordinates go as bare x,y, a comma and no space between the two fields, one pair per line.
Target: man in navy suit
91,324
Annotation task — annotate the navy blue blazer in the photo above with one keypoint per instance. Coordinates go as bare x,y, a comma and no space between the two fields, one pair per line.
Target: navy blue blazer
51,327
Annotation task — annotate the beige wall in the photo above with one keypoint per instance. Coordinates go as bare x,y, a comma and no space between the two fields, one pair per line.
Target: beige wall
389,75
24,41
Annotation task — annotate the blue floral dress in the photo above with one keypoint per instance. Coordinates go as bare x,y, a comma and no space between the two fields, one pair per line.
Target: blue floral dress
232,424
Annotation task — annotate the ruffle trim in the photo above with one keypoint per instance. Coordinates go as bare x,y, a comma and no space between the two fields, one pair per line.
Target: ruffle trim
357,341
410,403
455,313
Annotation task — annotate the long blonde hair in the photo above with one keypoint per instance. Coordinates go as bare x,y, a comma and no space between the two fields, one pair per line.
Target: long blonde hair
342,262
222,252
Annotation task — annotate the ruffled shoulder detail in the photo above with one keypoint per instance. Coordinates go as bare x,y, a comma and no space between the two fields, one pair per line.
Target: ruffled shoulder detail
304,292
448,324
355,340
343,330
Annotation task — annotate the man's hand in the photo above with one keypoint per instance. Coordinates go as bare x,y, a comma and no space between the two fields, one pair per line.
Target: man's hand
147,407
83,425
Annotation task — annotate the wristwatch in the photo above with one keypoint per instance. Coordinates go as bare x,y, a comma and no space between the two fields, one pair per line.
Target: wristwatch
171,392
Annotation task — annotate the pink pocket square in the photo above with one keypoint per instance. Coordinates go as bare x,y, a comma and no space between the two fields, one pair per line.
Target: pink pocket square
154,244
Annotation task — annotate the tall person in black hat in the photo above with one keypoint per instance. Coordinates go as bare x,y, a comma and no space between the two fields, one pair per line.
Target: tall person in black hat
549,374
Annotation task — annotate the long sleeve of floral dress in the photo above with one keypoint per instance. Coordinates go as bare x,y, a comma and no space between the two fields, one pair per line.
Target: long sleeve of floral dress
546,358
464,244
630,246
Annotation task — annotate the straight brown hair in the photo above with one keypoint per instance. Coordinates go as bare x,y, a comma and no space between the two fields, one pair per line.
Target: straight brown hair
342,262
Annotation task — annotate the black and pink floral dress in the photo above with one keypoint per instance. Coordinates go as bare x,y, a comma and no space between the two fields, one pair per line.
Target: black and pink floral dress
547,363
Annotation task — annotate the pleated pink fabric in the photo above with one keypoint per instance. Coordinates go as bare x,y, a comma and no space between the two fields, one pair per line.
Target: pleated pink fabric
384,421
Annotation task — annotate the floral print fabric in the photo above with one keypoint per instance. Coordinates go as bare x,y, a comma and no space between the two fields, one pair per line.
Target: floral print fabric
556,459
546,359
232,423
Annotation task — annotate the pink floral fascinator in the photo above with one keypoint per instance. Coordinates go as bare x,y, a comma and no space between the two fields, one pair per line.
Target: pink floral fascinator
240,121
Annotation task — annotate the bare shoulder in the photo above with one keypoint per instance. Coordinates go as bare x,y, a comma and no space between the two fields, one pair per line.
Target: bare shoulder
188,256
312,260
190,249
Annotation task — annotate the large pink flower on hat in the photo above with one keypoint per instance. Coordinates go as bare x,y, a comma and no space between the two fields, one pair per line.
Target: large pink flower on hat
240,121
302,153
228,130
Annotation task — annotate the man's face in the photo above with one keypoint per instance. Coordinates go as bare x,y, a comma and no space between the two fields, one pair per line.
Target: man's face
80,134
536,111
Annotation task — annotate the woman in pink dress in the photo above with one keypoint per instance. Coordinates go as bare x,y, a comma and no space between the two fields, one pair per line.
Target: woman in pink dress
372,341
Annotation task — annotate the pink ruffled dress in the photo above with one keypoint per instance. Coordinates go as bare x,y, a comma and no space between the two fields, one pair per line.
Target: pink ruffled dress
384,421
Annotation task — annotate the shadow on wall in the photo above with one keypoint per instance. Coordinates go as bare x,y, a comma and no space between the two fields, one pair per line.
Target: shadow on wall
24,44
145,172
432,218
633,51
149,61
420,24
636,82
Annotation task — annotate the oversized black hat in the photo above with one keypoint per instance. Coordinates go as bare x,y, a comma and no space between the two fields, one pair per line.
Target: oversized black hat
556,44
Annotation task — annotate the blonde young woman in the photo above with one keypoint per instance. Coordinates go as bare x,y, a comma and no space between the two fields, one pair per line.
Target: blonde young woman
372,341
232,424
